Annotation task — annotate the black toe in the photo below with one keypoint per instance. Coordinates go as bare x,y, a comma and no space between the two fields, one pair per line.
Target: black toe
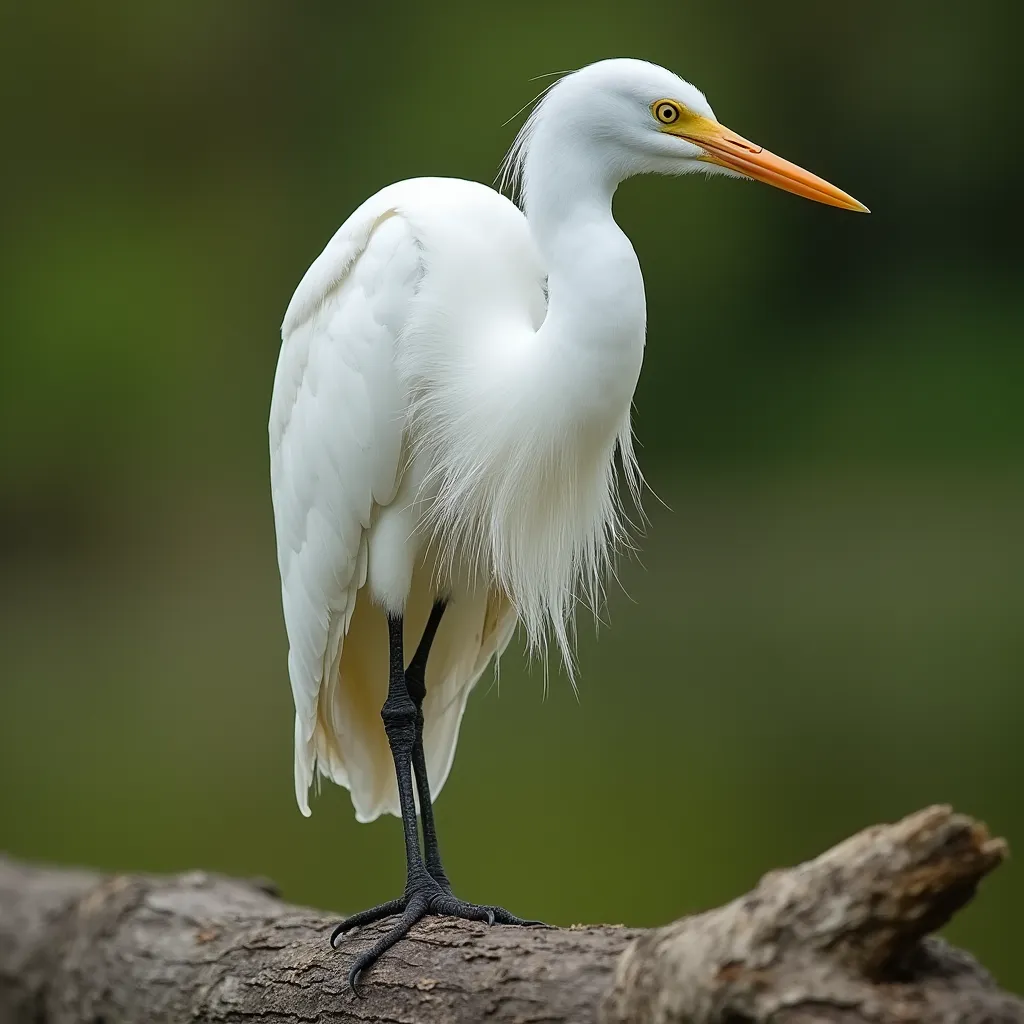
423,896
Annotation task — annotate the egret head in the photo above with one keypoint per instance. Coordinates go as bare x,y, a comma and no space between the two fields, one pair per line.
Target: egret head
629,117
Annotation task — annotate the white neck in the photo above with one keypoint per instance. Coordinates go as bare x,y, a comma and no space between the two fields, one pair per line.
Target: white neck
596,306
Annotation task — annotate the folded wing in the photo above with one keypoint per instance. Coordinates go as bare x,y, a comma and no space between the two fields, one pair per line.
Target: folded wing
336,426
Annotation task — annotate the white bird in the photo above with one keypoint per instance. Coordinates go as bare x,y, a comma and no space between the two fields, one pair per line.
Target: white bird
454,383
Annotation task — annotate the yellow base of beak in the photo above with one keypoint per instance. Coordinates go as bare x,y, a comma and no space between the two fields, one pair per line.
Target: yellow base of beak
726,148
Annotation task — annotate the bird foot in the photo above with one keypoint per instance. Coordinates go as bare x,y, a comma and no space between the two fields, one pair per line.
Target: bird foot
424,896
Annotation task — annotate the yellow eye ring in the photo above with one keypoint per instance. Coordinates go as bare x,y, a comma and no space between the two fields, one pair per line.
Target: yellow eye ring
666,111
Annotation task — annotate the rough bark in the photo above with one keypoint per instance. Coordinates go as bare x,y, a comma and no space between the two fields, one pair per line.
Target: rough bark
843,938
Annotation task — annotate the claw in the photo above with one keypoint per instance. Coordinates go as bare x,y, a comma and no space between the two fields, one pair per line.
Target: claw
502,916
353,980
490,916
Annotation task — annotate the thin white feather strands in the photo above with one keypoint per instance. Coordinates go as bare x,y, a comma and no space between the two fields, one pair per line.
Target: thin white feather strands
538,516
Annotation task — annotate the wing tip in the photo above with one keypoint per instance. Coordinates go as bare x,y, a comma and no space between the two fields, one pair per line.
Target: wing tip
305,759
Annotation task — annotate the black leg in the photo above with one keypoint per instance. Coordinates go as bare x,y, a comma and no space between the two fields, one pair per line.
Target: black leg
426,889
400,714
415,680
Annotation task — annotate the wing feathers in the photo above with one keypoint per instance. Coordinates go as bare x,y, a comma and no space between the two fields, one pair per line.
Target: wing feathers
335,438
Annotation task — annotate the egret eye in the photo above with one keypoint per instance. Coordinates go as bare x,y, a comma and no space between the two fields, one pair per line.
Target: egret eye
666,111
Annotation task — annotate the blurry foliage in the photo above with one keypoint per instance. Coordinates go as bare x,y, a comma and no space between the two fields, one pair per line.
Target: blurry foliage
828,630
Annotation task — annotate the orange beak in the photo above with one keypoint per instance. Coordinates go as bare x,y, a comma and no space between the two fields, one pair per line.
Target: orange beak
726,148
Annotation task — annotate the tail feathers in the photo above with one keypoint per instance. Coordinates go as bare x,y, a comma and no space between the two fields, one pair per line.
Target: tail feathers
367,770
349,745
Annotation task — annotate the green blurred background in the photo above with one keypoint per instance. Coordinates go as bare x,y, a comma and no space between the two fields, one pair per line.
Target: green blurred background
824,628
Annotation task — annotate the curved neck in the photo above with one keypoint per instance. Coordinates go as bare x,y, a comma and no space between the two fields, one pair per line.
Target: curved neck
597,311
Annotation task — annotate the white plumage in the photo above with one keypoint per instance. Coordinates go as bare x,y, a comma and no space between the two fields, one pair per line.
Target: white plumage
405,460
454,381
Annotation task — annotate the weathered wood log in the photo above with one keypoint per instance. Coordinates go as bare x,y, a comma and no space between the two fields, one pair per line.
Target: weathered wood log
843,938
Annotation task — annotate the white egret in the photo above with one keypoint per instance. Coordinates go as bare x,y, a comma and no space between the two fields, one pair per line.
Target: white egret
454,383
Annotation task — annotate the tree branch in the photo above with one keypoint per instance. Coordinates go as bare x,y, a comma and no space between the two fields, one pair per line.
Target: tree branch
843,938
